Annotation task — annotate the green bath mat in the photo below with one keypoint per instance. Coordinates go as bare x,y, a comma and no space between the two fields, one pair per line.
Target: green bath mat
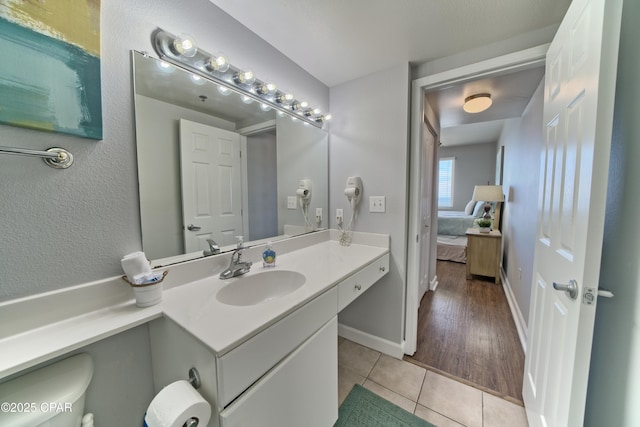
363,408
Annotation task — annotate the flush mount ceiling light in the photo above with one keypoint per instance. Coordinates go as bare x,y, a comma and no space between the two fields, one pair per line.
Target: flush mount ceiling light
477,103
183,52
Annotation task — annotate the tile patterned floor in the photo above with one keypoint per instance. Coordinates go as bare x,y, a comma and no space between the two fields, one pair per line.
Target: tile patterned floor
431,396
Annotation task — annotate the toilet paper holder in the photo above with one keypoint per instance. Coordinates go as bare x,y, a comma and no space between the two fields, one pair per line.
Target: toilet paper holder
194,378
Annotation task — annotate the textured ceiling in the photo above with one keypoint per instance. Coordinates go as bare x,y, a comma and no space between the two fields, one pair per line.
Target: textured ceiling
340,40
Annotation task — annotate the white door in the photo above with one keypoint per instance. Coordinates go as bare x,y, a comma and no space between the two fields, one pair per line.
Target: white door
211,185
578,111
429,168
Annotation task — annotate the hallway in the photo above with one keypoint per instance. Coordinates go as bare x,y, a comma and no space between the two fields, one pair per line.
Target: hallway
466,331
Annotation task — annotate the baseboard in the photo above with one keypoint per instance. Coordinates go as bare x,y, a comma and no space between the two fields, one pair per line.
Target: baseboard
518,318
376,343
433,284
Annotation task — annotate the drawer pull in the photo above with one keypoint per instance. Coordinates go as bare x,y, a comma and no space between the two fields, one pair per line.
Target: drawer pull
382,268
358,286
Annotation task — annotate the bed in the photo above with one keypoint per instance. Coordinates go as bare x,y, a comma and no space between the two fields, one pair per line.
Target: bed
452,248
452,228
454,223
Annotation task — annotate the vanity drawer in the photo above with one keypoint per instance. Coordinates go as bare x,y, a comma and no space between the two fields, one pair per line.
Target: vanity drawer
352,287
245,364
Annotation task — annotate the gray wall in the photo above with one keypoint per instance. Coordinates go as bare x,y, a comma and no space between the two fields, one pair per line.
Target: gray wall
262,180
61,228
298,161
614,379
475,164
369,138
523,142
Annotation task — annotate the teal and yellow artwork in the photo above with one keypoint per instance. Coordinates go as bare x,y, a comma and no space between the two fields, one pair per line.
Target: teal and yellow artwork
50,66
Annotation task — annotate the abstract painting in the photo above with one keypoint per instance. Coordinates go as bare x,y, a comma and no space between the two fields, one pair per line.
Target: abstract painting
50,66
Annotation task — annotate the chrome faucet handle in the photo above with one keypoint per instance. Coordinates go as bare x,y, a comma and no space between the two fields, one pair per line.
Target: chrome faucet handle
214,249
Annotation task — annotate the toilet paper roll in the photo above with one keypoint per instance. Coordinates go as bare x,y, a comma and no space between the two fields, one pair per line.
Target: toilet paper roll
134,264
175,404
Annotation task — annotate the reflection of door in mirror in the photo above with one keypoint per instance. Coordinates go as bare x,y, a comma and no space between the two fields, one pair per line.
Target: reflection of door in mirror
211,186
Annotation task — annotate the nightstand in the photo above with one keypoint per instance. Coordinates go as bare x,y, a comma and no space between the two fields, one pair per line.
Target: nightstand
484,252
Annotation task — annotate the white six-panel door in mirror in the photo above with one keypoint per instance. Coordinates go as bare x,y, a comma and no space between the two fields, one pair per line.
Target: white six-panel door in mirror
211,186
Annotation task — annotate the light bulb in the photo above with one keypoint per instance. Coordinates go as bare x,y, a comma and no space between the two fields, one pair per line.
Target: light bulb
261,88
323,119
165,67
244,77
297,105
317,112
184,45
224,90
197,79
271,88
284,98
218,63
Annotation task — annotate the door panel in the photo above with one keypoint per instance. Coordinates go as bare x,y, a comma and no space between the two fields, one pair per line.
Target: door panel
578,112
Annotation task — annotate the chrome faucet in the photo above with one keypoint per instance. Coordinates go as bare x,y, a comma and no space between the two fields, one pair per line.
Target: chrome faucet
236,267
214,249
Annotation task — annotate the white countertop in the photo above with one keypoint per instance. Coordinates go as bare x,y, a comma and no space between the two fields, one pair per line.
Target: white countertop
37,334
221,327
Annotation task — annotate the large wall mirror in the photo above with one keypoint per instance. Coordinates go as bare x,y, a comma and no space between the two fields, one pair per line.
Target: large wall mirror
212,165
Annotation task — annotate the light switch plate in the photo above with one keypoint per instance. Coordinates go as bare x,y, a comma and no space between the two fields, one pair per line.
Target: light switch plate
377,204
292,202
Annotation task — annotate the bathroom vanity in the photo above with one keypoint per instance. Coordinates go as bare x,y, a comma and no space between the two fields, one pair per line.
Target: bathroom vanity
266,361
275,362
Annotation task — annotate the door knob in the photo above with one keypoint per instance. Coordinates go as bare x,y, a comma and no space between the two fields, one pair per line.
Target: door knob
192,227
571,288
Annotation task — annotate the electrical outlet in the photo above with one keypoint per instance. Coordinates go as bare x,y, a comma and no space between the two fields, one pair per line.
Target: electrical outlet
292,202
339,216
318,214
377,204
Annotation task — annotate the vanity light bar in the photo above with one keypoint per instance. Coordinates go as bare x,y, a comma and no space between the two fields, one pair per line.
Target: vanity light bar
172,49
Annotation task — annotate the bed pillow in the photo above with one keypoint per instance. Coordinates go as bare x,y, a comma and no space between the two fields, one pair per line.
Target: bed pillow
468,210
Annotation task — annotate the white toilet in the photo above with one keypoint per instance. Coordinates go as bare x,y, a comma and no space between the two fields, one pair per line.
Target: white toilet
52,396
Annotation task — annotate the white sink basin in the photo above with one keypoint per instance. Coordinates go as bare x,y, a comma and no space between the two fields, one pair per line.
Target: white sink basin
261,287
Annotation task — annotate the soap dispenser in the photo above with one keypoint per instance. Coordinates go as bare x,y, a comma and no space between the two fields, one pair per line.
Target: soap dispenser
269,256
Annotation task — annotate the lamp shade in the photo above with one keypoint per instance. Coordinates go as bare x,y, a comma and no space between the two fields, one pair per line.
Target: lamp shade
488,193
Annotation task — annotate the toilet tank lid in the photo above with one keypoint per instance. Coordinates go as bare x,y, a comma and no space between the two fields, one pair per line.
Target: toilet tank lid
61,382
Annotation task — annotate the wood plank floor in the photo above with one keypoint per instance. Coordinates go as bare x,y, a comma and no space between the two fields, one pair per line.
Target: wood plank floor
465,329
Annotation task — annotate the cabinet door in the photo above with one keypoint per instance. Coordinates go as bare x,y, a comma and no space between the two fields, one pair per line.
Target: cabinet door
302,390
482,256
